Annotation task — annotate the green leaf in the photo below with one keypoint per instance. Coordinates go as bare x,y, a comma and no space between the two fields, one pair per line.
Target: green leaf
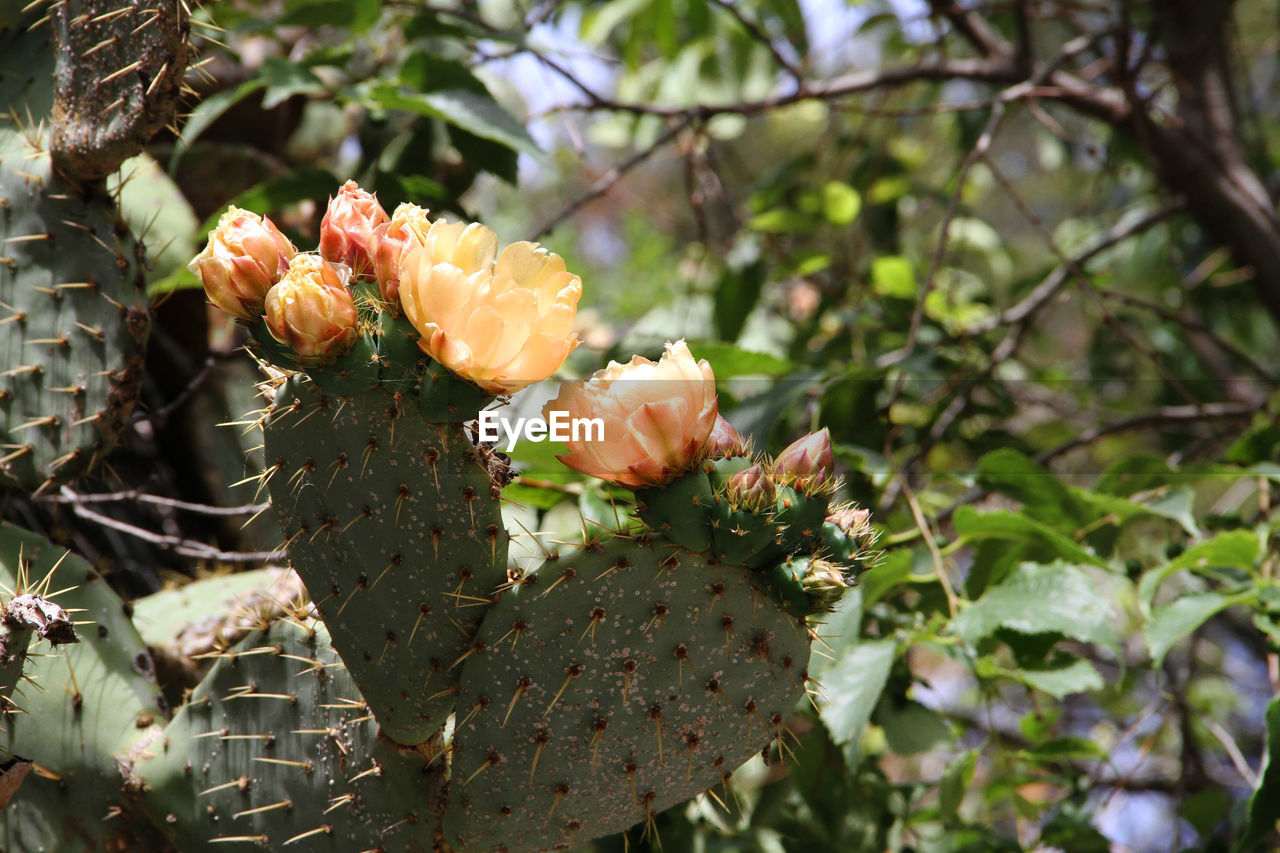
284,79
894,569
840,203
737,293
912,728
893,276
534,496
1231,549
728,361
207,112
955,782
972,525
1204,810
1037,488
1073,675
853,686
355,15
1171,623
1264,802
474,112
1041,599
780,220
298,185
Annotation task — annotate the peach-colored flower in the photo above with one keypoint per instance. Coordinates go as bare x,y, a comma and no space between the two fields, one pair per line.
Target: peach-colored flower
245,256
312,311
806,462
500,320
406,231
657,417
346,232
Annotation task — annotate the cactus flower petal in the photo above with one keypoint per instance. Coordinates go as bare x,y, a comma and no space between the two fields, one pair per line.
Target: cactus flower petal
347,230
658,417
807,461
245,256
311,311
501,320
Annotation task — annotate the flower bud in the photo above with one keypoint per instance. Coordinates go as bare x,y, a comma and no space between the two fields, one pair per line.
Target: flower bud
500,320
824,584
853,522
245,256
346,232
752,489
312,312
657,417
807,462
726,442
406,231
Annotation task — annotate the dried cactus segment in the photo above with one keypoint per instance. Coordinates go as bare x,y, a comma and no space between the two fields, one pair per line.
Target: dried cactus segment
96,705
394,526
276,749
622,681
75,319
118,73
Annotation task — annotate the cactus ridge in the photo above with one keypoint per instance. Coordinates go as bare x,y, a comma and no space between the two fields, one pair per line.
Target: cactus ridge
393,524
275,749
611,685
96,708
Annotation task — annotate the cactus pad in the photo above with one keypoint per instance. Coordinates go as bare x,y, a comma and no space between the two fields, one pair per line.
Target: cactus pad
624,680
276,748
95,706
393,525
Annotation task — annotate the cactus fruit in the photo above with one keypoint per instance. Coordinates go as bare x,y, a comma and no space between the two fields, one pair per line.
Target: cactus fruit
275,748
96,706
614,684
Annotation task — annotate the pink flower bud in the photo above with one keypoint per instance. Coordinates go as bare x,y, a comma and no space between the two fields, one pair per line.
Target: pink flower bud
406,231
312,312
752,488
807,462
346,232
657,417
852,521
245,256
726,442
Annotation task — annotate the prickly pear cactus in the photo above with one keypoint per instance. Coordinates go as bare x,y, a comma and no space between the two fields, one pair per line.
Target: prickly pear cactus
614,684
89,710
118,72
393,523
275,748
71,276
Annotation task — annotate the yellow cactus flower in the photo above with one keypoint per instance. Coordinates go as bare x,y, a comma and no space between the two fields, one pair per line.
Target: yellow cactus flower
312,311
501,320
347,230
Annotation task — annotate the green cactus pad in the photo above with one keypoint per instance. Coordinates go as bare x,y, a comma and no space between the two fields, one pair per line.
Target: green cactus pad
108,107
626,679
95,707
75,319
275,750
394,526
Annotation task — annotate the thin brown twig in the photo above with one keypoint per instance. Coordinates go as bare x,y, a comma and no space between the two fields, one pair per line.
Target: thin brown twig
176,544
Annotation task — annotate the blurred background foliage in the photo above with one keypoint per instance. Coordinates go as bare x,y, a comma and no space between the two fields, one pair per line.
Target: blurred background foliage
1014,255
